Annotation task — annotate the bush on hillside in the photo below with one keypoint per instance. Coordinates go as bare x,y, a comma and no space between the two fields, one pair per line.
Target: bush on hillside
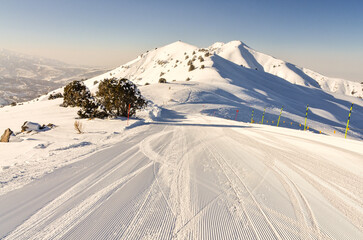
162,80
112,99
191,68
91,108
201,59
75,93
115,95
55,96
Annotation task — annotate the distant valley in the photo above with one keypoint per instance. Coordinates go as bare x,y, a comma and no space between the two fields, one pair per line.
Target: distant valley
24,77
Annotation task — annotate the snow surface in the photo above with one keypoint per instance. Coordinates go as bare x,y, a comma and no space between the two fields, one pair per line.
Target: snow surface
184,168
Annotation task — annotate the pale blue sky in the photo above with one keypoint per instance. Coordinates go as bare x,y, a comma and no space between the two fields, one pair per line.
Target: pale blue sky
326,36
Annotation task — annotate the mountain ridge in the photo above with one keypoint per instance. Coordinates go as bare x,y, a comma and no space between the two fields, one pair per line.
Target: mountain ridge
173,56
226,78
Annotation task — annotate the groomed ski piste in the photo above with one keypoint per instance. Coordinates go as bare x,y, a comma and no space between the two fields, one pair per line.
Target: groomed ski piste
189,166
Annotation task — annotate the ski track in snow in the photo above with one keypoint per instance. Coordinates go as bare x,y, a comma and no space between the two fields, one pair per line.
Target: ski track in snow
197,182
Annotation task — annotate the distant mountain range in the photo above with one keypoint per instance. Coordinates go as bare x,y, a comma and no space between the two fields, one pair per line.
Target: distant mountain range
24,77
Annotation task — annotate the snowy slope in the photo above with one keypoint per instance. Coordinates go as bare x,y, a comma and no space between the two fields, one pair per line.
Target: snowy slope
242,54
170,61
198,177
190,166
224,80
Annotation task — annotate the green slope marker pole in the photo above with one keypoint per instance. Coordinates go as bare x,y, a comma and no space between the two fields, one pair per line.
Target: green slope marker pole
252,115
263,115
278,121
346,129
306,116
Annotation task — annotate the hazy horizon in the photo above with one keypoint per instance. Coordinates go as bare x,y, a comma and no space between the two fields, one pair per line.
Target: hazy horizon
324,37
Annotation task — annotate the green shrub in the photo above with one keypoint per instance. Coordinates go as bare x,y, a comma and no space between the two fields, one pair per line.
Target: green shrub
91,108
115,95
74,94
55,96
162,80
191,67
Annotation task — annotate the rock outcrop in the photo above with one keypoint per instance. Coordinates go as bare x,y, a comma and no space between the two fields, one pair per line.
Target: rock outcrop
6,136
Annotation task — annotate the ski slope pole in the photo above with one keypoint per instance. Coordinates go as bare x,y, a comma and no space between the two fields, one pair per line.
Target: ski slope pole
128,115
346,129
236,115
278,121
252,115
263,115
306,116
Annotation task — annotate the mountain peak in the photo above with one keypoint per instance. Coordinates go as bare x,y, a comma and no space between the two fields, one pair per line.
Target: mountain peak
173,62
178,46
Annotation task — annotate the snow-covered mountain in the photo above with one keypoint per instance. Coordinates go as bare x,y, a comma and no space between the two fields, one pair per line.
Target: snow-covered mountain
171,62
24,77
239,77
196,163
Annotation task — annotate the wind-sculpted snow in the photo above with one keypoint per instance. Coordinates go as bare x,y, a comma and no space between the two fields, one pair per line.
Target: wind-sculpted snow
196,178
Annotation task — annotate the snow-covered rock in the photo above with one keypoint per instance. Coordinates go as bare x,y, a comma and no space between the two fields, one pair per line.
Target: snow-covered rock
30,126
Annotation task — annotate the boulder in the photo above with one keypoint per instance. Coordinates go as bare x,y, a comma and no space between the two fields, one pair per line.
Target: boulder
30,126
6,136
